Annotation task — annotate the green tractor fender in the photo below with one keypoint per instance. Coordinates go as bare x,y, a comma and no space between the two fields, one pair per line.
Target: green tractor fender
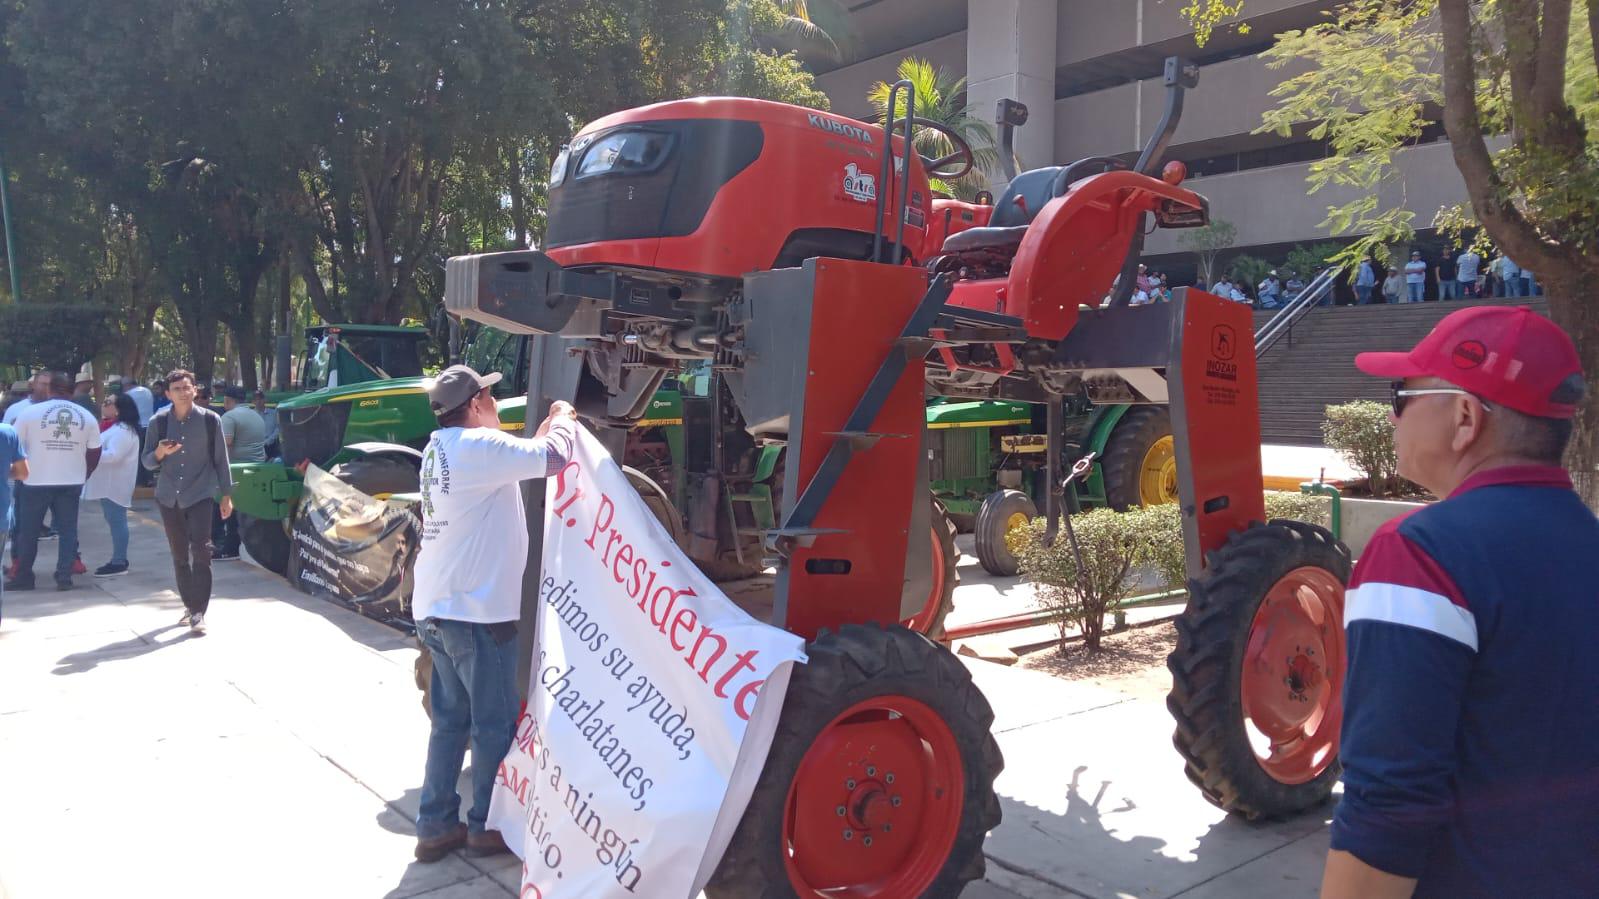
1103,420
266,490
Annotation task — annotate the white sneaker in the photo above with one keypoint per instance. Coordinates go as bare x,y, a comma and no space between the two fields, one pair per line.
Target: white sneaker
188,617
197,624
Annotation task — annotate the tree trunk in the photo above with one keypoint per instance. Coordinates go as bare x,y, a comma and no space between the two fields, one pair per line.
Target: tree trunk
202,340
1573,309
246,340
518,210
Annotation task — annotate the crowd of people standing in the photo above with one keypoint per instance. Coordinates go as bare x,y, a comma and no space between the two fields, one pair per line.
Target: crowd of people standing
60,448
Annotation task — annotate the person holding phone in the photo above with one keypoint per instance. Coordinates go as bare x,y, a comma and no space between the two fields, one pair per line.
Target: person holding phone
185,448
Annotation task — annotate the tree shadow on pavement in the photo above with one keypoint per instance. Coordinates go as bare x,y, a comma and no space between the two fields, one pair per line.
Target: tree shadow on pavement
1093,854
79,662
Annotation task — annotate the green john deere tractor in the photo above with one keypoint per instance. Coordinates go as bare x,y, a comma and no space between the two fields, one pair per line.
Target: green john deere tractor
362,415
987,462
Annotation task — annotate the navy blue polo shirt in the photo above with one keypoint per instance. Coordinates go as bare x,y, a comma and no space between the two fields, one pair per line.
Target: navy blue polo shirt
1471,705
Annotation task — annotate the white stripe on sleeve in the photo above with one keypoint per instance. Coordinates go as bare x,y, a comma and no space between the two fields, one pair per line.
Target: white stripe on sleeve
1413,607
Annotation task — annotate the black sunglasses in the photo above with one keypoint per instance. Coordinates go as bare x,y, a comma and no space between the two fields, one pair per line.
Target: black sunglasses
1402,395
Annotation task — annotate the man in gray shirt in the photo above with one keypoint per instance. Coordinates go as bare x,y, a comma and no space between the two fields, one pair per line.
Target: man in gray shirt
245,434
186,449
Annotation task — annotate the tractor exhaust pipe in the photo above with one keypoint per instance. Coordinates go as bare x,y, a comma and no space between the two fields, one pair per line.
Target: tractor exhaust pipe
1180,74
1010,115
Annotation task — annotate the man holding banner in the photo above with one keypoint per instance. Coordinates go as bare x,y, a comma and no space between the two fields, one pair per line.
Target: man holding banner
468,595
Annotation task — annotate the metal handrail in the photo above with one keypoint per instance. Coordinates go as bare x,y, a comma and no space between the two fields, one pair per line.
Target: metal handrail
1297,308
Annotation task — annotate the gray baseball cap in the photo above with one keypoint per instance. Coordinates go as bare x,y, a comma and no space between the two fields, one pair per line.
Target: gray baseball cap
455,385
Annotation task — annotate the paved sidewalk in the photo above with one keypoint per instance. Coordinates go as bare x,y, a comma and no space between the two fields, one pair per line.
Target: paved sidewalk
281,755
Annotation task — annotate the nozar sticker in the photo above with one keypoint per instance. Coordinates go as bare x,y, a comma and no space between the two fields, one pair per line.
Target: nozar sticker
834,126
859,185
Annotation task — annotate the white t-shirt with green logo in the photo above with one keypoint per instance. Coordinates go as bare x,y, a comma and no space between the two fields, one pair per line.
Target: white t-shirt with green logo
57,434
474,529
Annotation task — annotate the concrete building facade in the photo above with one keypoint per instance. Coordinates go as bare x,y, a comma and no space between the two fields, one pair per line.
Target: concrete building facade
1090,74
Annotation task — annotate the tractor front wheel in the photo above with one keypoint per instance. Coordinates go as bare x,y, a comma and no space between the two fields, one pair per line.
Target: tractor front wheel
1258,670
267,541
1001,511
929,621
880,780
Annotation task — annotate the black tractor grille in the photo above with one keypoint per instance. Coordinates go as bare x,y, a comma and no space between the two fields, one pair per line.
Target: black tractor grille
312,433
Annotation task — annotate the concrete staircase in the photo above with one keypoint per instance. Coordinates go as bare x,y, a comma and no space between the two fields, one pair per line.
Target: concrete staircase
1314,366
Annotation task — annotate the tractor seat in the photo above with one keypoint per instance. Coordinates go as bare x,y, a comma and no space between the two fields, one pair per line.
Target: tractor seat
990,238
1011,218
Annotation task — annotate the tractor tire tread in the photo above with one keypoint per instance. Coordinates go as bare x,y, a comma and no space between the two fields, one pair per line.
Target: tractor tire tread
1206,668
1125,449
989,534
846,666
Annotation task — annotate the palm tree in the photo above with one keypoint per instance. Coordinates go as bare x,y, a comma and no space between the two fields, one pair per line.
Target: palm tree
794,31
942,99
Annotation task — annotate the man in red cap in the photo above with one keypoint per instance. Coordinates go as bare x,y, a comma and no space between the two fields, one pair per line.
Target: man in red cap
1470,740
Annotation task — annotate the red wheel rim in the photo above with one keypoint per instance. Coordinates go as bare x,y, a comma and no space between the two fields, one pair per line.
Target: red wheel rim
1293,674
923,621
876,803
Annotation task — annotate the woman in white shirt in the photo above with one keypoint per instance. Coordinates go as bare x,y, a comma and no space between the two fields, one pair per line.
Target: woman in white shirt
111,482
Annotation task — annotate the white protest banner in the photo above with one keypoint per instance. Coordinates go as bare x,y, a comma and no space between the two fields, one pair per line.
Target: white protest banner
651,704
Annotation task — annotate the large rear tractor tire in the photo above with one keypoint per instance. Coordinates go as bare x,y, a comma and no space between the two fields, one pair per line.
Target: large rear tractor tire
267,541
1140,463
659,503
929,622
880,781
1258,670
1001,511
379,476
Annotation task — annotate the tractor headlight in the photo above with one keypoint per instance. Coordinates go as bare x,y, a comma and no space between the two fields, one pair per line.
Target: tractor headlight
624,151
558,168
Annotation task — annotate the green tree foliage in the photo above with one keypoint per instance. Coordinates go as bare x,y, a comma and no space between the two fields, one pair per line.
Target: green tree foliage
1363,433
1518,85
941,98
1207,243
1307,262
185,154
1080,582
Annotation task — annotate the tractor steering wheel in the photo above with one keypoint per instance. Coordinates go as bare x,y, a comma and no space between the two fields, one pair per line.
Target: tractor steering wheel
962,156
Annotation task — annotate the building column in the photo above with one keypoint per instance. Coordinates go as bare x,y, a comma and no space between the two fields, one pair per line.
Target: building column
1010,53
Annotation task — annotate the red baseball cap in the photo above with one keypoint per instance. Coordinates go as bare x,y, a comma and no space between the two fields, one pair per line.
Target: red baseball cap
1508,355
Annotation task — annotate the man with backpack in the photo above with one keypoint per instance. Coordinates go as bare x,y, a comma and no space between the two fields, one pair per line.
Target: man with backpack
185,448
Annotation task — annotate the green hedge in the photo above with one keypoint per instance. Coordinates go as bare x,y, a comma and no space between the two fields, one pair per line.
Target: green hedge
1114,544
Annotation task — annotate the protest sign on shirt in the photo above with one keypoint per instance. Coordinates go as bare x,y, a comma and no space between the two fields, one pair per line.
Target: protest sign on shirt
651,705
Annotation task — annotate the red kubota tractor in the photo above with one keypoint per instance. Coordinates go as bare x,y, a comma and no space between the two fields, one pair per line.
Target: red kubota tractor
778,243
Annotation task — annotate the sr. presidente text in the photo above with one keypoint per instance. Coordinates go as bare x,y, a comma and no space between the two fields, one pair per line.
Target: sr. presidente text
653,584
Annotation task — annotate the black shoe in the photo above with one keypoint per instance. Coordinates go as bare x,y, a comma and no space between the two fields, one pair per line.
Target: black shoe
111,569
225,556
64,585
20,584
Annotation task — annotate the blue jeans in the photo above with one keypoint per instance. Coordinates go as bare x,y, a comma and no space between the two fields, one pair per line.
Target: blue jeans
32,503
1363,294
116,518
474,696
1513,286
1416,291
1448,289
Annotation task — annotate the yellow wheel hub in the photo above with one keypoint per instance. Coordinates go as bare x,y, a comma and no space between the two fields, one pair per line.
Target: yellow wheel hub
1157,476
1016,520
